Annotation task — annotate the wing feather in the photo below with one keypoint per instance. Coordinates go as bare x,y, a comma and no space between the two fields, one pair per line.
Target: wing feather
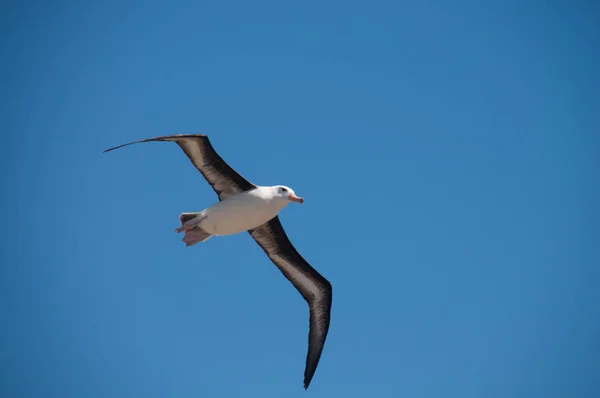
222,177
315,289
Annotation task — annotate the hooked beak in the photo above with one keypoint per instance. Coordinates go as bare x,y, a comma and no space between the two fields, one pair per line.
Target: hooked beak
295,198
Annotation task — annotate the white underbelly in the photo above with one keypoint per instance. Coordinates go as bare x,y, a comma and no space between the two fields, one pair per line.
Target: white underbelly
234,216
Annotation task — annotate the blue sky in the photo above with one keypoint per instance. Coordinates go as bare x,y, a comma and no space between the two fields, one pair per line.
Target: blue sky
448,154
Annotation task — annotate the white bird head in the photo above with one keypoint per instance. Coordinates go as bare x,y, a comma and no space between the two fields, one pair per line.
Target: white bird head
287,193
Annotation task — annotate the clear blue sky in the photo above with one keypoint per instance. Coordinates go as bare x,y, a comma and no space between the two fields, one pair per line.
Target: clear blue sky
448,152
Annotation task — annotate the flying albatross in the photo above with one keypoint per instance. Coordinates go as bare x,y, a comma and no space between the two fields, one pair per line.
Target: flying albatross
244,206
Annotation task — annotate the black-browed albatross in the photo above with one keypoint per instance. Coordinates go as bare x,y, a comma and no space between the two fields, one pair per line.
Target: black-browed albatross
244,206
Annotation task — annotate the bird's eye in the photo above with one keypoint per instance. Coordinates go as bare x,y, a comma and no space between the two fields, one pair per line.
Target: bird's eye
282,190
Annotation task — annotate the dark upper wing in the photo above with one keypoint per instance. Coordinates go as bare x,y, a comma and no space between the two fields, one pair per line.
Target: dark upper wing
222,177
314,288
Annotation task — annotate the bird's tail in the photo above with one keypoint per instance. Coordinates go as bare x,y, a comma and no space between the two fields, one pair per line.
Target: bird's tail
194,233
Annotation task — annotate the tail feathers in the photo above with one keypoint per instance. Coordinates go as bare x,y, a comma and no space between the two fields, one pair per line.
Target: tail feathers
190,223
185,217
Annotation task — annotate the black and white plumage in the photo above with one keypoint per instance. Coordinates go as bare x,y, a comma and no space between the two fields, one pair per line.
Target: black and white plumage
244,206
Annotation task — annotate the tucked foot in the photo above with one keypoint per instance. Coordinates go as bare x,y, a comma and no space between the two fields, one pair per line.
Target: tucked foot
195,235
189,221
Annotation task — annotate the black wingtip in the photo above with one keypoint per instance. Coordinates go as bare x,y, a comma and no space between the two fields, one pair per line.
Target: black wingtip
162,138
117,147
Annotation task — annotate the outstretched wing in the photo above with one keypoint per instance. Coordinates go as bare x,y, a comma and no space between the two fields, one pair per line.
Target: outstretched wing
315,289
222,177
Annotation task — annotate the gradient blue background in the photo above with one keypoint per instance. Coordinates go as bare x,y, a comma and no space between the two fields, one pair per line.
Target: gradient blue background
448,152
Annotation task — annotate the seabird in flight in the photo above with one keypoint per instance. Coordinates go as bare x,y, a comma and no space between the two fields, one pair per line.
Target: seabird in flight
244,206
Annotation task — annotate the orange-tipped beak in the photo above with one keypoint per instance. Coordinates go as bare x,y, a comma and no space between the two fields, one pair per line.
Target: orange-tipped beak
295,198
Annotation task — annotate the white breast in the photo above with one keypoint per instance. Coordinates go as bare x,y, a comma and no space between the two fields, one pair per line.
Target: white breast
241,212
